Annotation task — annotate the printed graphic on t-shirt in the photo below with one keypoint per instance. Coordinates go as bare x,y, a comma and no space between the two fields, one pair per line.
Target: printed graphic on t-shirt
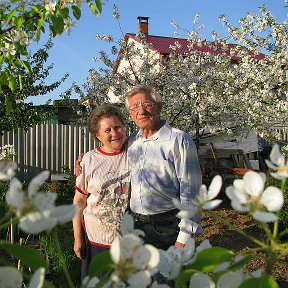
112,198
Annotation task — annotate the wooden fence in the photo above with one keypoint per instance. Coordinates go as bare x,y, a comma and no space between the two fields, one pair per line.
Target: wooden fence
47,147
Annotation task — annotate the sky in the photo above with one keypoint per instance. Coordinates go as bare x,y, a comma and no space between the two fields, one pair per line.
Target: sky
73,53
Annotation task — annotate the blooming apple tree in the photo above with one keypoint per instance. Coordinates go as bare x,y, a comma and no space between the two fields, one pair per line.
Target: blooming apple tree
262,33
218,86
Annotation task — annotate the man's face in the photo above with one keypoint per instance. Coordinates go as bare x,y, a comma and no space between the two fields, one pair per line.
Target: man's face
144,111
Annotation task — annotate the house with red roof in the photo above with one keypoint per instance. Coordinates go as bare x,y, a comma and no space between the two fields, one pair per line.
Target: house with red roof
162,45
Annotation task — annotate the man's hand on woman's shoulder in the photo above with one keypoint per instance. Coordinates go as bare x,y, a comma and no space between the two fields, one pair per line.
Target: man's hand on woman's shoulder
78,168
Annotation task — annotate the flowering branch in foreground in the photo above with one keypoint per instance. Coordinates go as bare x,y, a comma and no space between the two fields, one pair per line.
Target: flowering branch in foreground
132,263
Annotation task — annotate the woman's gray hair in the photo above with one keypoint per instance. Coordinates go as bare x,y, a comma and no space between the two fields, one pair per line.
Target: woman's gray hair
142,88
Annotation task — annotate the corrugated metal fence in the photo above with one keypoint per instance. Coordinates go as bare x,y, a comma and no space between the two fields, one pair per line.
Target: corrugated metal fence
47,147
54,146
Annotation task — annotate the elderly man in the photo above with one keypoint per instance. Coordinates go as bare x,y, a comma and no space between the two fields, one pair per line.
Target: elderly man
164,165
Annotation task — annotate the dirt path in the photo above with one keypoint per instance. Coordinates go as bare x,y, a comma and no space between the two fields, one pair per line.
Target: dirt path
220,235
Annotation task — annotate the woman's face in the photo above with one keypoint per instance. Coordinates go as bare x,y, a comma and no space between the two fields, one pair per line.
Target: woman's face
112,134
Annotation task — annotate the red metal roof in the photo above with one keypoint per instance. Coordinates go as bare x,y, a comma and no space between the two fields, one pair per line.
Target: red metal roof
162,45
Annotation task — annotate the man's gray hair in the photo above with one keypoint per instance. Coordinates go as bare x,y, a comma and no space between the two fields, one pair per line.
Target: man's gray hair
142,88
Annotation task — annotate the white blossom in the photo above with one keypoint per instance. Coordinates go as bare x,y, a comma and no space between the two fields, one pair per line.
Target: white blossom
140,279
175,24
7,152
68,24
196,18
233,279
37,210
38,278
8,49
205,244
204,200
277,163
134,262
106,38
155,284
21,37
90,282
10,277
230,279
78,3
127,226
248,195
201,280
225,265
7,169
173,259
187,87
50,6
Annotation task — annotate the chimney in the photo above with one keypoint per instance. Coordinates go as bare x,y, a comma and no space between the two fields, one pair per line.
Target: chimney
143,24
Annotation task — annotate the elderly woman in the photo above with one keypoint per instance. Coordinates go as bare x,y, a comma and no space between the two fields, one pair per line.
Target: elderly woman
102,189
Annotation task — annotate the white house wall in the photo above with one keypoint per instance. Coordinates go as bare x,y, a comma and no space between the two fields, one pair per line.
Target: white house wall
137,62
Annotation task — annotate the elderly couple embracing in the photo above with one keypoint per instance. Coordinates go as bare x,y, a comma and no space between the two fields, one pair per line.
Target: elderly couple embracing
141,173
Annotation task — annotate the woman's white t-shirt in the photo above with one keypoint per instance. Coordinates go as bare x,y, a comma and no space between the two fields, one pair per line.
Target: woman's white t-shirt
105,178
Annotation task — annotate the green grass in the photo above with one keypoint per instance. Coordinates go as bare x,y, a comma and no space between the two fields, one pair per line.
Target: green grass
48,246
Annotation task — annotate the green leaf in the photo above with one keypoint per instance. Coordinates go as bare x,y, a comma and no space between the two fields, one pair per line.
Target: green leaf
39,26
17,64
57,26
41,21
267,281
38,33
101,263
35,8
9,107
19,22
208,259
183,278
12,83
29,256
92,7
10,15
20,81
26,65
64,12
76,12
99,5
